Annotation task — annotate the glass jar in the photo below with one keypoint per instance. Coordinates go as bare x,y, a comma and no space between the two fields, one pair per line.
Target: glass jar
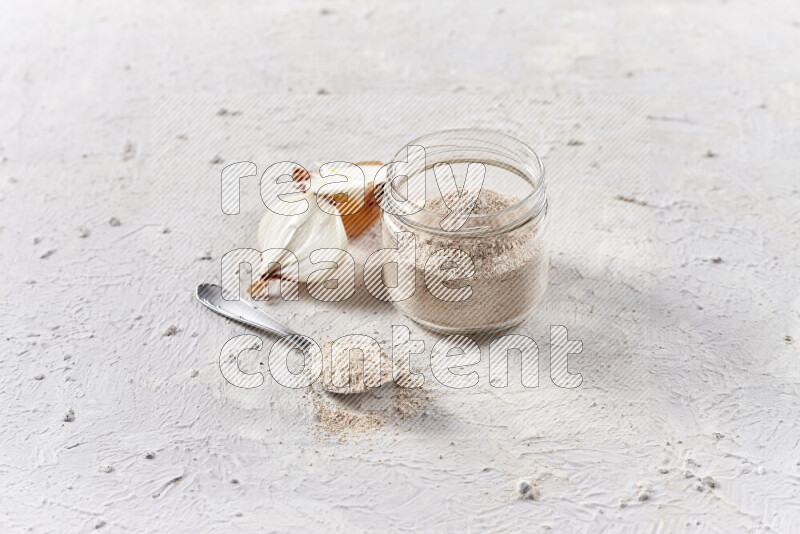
502,234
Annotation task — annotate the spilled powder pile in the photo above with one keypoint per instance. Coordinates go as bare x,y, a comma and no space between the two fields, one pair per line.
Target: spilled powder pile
335,419
510,271
341,417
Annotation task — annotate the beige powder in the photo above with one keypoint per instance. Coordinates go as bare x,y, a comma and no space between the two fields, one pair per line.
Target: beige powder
510,272
355,357
347,412
365,375
336,419
343,417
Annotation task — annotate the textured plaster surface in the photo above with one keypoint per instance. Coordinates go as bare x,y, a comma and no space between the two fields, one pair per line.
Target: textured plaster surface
670,137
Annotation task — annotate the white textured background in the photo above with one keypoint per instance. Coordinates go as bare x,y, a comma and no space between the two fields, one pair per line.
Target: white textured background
690,365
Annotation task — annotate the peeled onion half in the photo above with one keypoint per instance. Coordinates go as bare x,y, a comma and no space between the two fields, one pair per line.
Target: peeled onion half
301,234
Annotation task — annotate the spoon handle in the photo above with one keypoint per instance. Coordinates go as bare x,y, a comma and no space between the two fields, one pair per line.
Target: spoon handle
238,310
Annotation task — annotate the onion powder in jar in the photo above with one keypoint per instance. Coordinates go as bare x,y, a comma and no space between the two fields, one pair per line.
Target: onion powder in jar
485,271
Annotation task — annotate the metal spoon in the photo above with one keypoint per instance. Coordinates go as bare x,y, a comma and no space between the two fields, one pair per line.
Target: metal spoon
238,310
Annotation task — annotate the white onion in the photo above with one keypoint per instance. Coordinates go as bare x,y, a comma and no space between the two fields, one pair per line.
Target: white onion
302,234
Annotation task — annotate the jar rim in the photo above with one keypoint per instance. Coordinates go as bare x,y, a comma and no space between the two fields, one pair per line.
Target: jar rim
528,163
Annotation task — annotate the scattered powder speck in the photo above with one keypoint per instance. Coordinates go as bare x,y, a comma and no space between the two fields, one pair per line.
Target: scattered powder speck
709,481
171,331
129,152
526,490
631,200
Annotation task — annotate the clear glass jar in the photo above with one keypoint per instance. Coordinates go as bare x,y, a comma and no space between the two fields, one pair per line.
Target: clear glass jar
503,235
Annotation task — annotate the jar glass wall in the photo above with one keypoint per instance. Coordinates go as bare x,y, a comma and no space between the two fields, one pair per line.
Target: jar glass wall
503,235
